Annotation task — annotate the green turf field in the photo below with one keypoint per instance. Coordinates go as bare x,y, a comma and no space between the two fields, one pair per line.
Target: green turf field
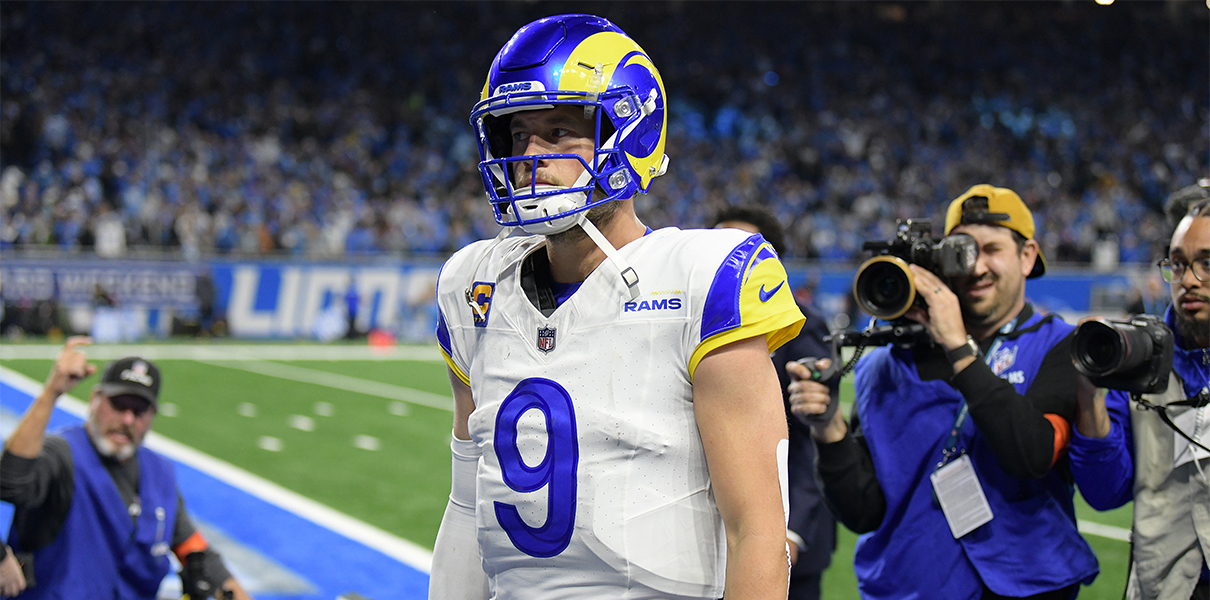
401,487
369,437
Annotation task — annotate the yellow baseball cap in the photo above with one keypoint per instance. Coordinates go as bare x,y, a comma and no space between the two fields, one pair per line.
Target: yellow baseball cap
985,204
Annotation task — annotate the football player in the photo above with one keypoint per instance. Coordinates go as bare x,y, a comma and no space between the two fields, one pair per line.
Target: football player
618,423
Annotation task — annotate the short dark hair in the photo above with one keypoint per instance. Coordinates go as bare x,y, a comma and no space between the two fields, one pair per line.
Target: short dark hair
1199,208
760,217
1181,201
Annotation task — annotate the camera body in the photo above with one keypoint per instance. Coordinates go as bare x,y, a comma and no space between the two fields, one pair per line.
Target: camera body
1134,355
884,286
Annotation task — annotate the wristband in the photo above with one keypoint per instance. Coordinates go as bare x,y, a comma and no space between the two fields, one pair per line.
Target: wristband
970,348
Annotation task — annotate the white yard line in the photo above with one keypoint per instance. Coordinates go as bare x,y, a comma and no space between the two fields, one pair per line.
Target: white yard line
396,547
335,381
67,402
1105,531
230,351
255,359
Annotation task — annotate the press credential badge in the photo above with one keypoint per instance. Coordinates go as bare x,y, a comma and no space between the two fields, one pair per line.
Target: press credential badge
961,497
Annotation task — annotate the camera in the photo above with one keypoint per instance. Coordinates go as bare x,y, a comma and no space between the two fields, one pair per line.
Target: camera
884,287
901,334
1132,356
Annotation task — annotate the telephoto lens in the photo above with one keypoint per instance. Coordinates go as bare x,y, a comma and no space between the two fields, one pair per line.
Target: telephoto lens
1103,349
884,287
1133,356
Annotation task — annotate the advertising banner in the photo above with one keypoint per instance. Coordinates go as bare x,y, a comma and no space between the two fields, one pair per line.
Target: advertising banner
298,299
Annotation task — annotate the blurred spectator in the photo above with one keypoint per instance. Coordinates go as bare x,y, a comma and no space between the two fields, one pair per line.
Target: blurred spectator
107,320
109,233
352,300
101,298
1150,298
326,130
203,289
32,317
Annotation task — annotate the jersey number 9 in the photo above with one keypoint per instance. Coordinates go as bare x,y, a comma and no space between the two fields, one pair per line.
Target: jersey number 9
556,471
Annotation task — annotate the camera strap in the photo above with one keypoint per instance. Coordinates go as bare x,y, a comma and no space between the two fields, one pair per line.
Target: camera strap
1197,401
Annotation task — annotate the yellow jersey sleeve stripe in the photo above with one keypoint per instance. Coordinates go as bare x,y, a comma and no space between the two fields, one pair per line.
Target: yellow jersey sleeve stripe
777,329
750,296
454,368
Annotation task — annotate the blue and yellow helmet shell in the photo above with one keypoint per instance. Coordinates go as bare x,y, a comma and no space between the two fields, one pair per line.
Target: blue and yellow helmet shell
579,60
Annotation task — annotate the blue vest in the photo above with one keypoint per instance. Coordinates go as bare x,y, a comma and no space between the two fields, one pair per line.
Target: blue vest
99,553
1030,546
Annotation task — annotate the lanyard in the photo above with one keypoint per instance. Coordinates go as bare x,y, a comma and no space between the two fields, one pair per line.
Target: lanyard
951,445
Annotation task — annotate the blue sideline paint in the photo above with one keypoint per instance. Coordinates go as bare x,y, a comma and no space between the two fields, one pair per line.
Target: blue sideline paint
287,556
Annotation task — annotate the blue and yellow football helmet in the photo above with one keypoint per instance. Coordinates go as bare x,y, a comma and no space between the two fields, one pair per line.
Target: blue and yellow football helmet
577,60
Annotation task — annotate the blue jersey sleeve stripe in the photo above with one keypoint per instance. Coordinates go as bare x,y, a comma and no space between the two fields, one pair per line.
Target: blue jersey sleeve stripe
443,334
721,311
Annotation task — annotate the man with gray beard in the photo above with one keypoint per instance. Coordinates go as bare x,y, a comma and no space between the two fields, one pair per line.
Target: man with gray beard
93,506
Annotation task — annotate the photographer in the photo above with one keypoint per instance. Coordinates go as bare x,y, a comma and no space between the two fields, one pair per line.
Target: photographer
975,422
1118,454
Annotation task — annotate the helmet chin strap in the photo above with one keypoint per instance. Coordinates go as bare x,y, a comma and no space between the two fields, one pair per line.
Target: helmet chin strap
569,201
628,275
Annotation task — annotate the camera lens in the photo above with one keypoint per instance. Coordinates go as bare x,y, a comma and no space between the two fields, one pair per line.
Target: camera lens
887,288
1101,348
884,287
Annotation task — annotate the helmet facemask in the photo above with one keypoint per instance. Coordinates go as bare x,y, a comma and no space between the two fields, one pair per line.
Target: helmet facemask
544,209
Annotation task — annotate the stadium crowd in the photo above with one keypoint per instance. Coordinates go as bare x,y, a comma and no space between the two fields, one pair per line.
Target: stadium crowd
333,130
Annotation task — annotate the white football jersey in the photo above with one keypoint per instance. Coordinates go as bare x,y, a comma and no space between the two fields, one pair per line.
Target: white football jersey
593,480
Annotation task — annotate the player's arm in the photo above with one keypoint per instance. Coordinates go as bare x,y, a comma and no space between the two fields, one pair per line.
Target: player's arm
457,572
741,420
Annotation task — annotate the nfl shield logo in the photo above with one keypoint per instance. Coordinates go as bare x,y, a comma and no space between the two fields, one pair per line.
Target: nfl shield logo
546,339
1003,359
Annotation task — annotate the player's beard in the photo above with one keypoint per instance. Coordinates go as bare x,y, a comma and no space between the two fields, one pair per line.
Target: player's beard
107,448
600,215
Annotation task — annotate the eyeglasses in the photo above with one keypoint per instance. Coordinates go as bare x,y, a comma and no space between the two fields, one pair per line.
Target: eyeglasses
1174,270
126,402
